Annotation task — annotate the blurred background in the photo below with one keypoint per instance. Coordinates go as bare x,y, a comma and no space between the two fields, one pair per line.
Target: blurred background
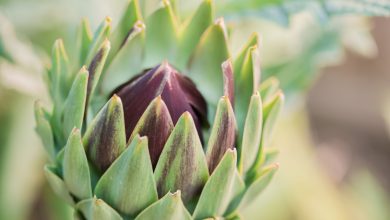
331,57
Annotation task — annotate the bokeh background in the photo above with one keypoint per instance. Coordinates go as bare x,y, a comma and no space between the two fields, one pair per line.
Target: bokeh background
333,61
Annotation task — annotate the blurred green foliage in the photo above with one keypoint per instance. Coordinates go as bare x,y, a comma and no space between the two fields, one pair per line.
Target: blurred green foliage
281,11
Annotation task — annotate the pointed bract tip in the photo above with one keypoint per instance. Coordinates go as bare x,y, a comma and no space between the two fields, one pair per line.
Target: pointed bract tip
98,202
106,43
84,69
108,20
137,136
255,35
84,20
280,95
143,138
254,48
275,166
176,194
59,42
231,150
256,94
165,64
220,21
158,101
166,3
139,26
38,104
224,99
186,116
226,64
115,98
75,130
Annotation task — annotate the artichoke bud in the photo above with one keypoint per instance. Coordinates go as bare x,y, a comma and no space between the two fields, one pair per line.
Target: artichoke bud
175,95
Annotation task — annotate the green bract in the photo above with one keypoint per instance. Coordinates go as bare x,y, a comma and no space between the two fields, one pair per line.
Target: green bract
176,161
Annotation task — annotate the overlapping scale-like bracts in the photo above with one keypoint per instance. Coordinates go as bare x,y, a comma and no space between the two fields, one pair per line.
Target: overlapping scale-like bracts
130,135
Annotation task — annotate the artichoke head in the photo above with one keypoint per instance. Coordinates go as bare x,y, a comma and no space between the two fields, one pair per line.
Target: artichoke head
156,120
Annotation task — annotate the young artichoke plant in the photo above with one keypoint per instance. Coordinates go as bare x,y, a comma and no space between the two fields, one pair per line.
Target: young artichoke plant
155,120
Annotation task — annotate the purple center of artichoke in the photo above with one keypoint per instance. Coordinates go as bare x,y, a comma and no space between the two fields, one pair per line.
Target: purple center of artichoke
177,91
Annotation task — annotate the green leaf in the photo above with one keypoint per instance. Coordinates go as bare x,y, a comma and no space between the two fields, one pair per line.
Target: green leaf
59,162
282,10
182,164
75,167
223,134
237,192
268,88
102,34
258,186
97,209
252,134
105,137
271,112
74,107
57,184
235,217
44,130
84,41
161,36
270,154
238,62
170,207
246,83
95,68
59,72
192,31
206,62
215,196
119,36
128,185
128,60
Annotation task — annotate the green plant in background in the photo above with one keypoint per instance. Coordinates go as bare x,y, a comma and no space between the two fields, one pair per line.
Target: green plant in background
282,10
130,134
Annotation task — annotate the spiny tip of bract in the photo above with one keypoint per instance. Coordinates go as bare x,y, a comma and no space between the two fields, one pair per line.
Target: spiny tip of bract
106,43
187,116
139,26
275,166
75,130
59,42
108,19
116,98
176,194
279,95
84,69
38,104
165,64
227,64
232,150
166,3
224,98
220,22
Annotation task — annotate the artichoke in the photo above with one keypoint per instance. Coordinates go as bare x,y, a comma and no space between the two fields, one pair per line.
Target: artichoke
155,120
